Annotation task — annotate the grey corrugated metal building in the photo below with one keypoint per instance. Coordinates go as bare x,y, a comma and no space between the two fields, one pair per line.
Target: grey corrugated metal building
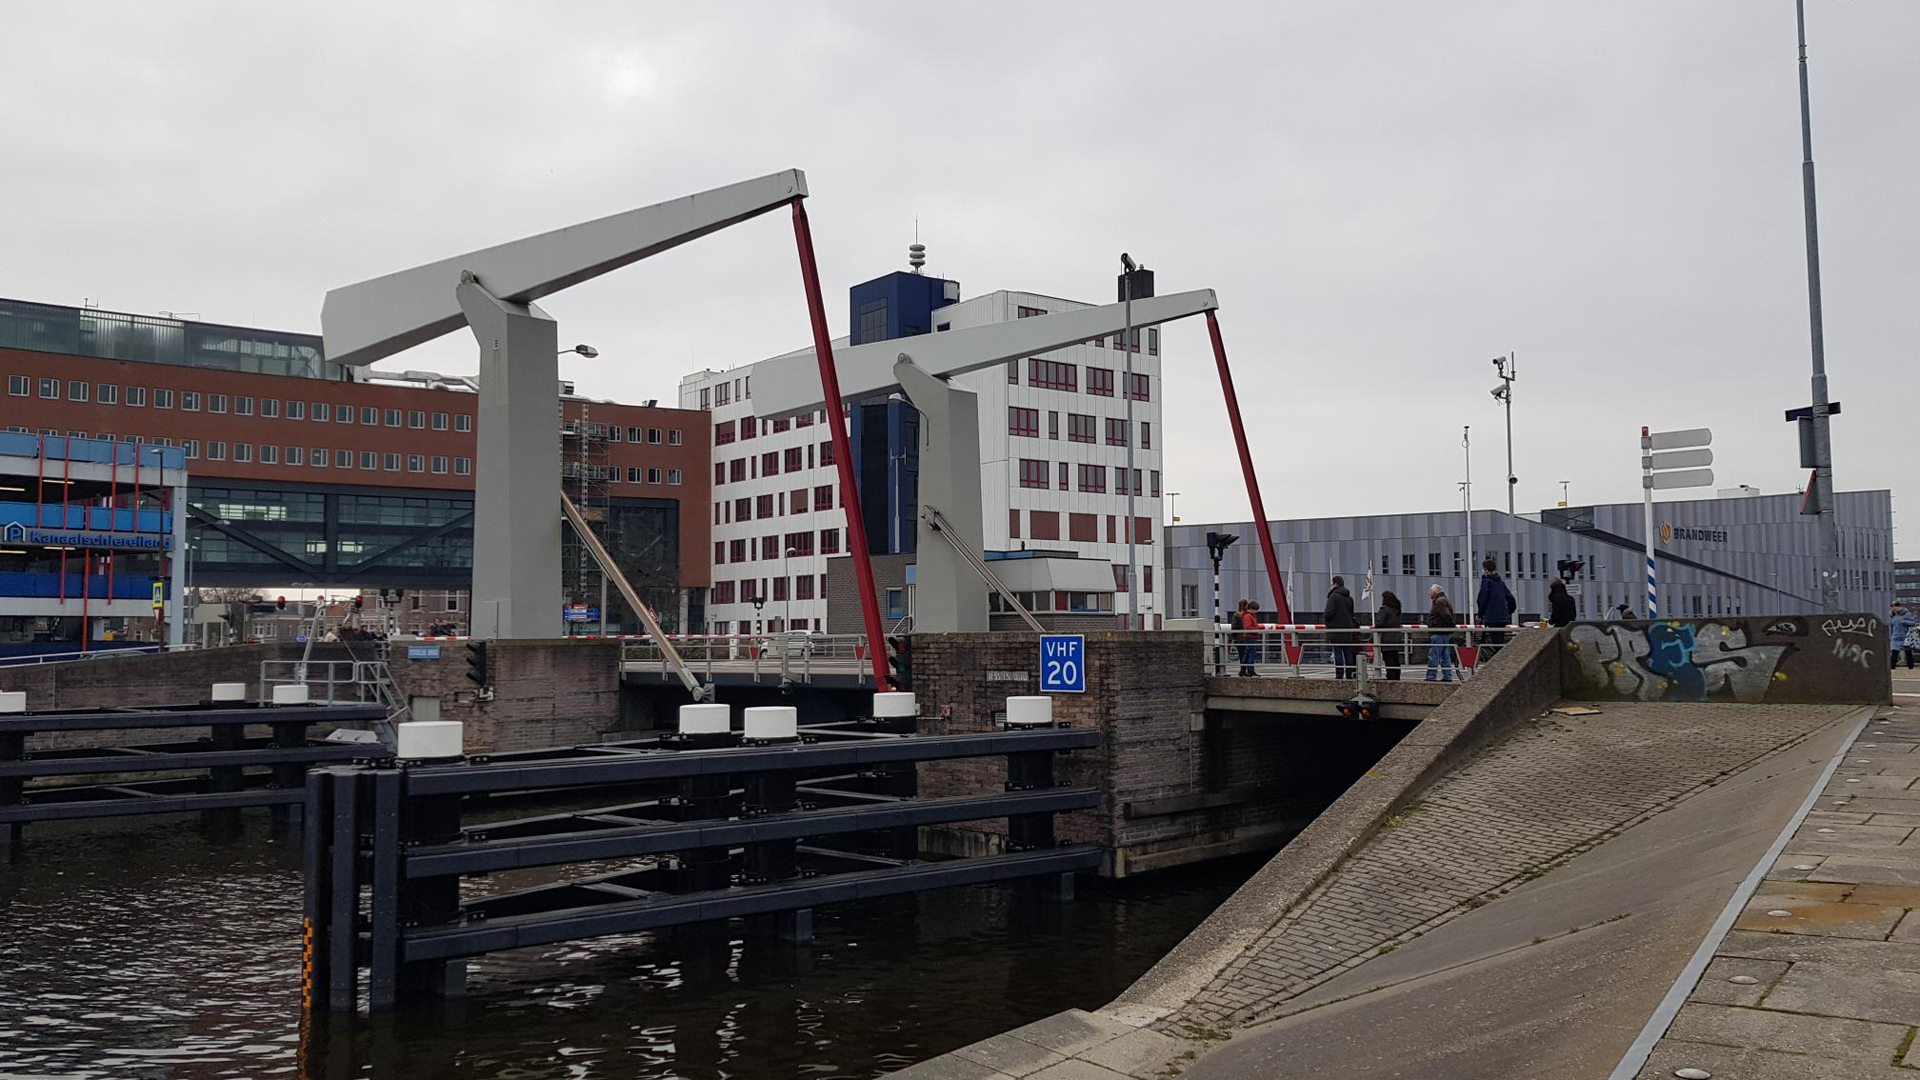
1749,554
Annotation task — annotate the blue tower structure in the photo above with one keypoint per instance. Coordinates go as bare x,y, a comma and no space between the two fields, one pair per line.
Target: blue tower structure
885,431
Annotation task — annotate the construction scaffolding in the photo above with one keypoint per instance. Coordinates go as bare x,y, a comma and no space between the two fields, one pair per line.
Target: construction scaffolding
586,478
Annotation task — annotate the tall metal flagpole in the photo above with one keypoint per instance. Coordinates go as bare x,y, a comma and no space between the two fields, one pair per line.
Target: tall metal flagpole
1126,342
1466,489
1829,522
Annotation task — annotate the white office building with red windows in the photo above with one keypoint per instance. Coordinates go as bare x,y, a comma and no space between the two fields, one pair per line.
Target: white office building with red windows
1054,434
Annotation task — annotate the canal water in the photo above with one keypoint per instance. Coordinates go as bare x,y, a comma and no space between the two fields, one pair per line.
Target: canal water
156,950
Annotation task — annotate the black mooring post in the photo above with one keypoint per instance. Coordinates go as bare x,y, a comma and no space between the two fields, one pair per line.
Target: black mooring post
13,747
225,778
287,775
343,893
383,936
775,860
703,798
902,780
1030,771
317,919
431,901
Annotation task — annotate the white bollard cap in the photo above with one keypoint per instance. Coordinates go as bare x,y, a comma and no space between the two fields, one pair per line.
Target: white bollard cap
13,701
893,705
290,694
1029,710
229,691
773,722
708,719
420,739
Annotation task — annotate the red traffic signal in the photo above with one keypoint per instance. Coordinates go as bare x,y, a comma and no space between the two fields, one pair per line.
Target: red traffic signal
281,603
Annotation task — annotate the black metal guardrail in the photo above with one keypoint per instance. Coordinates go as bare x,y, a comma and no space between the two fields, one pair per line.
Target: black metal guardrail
711,830
237,769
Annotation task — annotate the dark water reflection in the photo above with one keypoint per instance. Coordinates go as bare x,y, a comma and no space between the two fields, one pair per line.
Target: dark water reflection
154,950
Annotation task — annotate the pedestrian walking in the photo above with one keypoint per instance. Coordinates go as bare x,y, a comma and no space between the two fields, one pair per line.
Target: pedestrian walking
1903,636
1495,605
1339,617
1439,643
1244,626
1561,609
1385,618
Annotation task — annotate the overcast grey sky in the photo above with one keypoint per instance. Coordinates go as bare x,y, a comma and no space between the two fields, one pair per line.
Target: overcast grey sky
1385,195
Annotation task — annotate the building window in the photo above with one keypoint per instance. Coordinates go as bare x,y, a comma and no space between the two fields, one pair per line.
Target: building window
107,394
719,553
1093,478
1155,493
242,405
1146,435
343,459
321,411
1079,428
1022,421
1053,424
393,417
392,462
736,470
78,390
1083,528
719,473
675,477
191,447
1116,431
462,466
763,506
19,385
1033,474
370,416
1063,477
189,399
216,450
793,459
673,436
242,452
1052,375
216,403
439,421
296,410
653,436
770,463
1138,389
416,419
343,414
737,550
50,388
723,433
653,476
1029,312
370,459
270,454
1043,524
823,497
1153,341
826,454
829,541
416,463
317,457
1100,381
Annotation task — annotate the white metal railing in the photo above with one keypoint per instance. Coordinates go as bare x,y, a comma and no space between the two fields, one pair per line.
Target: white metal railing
332,682
795,656
1313,651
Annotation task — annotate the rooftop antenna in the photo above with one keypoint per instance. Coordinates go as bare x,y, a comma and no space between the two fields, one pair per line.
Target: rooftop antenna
916,251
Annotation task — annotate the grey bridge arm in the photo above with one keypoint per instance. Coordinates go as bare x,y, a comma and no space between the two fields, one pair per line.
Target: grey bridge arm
786,385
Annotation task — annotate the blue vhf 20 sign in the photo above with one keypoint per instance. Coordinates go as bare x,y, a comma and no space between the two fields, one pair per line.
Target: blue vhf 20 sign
1063,663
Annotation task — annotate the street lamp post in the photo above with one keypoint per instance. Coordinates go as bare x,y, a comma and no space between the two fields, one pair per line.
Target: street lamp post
1829,522
786,619
1126,343
1173,508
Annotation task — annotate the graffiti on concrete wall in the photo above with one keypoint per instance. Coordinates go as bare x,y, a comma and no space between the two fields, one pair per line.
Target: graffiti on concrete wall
1812,658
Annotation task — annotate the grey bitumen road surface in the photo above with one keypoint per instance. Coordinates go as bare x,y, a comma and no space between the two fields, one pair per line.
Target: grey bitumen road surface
1557,977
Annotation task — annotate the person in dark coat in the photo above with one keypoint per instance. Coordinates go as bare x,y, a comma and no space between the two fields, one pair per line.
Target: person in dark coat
1339,616
1561,609
1392,651
1440,643
1495,605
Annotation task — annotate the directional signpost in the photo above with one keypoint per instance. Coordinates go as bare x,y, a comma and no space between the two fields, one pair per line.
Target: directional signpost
1670,459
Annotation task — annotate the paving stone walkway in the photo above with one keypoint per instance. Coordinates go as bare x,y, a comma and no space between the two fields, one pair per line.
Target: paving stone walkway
1552,790
1820,975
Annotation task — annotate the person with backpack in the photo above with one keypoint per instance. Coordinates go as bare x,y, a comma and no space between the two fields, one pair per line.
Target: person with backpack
1496,606
1387,617
1338,617
1249,623
1440,644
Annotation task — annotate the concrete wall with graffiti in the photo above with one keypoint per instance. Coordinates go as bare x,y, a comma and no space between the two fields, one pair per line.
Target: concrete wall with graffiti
1781,659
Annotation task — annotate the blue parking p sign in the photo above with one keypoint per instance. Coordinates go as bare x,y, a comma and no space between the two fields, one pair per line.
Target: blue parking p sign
1063,663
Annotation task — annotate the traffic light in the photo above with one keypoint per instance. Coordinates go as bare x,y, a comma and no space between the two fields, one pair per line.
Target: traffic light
359,602
477,662
1570,568
900,661
281,603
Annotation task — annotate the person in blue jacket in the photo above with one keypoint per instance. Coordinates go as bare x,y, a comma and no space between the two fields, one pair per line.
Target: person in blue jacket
1901,636
1495,606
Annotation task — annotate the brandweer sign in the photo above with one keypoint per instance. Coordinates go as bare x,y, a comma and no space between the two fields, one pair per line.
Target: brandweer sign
1669,533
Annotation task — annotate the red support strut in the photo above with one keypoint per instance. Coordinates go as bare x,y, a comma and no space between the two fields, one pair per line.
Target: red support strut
842,451
1246,468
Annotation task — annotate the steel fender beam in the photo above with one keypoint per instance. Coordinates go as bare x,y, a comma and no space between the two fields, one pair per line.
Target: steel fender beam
546,928
790,384
582,846
373,319
470,779
132,719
